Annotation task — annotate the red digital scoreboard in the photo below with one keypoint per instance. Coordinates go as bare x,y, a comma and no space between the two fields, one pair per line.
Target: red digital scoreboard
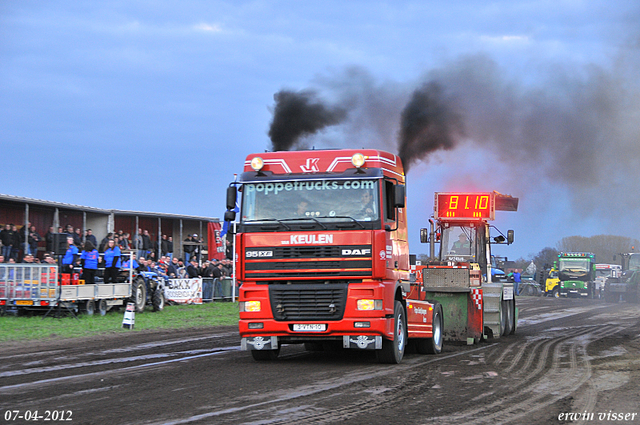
465,206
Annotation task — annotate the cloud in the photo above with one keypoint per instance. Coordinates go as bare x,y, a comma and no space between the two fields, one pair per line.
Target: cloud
207,27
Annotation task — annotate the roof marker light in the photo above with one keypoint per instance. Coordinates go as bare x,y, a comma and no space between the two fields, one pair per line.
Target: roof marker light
257,163
358,160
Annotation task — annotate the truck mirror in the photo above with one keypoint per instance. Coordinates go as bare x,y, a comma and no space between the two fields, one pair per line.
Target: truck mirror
231,198
399,195
510,236
229,215
424,235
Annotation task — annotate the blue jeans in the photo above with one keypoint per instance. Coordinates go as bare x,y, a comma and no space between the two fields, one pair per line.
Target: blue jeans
217,288
6,252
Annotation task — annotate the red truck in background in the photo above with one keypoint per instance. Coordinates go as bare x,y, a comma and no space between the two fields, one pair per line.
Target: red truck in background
321,250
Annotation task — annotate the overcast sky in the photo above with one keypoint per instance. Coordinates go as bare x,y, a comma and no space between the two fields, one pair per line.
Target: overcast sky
153,105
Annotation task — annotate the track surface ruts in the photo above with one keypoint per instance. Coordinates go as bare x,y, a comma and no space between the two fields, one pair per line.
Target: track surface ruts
568,355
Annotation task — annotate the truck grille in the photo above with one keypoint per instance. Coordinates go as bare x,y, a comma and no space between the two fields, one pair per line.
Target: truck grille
313,302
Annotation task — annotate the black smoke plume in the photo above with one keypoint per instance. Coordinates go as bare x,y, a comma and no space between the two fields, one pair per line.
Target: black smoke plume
299,114
428,123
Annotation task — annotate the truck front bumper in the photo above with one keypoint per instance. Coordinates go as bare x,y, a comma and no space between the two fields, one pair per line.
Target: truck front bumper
362,333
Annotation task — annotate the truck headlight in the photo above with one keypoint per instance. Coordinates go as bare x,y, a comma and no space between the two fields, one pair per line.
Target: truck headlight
250,306
368,305
358,160
257,163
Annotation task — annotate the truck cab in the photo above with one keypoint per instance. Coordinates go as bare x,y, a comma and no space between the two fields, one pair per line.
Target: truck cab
322,253
577,272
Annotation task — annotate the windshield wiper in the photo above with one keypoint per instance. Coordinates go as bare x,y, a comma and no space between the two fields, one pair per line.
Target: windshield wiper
269,219
305,218
344,216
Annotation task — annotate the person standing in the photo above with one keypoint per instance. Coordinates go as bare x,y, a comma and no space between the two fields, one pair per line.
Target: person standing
89,259
70,256
77,237
147,246
170,247
17,242
6,236
112,263
48,237
89,236
34,240
516,281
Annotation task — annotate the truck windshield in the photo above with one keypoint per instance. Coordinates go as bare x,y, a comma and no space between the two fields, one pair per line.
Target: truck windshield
634,262
574,264
313,200
458,244
604,273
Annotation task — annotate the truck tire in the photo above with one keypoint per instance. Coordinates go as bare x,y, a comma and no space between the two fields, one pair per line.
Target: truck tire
503,318
261,355
393,351
102,307
157,300
433,345
89,308
508,313
139,294
555,293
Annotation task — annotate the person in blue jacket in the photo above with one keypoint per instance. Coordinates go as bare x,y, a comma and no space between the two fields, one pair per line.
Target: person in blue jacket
89,259
70,256
111,262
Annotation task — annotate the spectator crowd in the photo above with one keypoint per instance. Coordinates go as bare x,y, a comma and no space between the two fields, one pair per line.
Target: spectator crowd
85,252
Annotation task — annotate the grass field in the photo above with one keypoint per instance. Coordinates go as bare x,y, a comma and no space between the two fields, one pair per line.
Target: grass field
13,328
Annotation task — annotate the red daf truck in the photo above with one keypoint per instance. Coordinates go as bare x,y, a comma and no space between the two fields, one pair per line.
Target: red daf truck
322,254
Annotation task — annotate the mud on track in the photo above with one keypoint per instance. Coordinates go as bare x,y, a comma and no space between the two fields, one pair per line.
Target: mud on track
569,355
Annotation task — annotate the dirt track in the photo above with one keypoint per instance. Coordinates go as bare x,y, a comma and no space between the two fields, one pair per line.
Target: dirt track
569,355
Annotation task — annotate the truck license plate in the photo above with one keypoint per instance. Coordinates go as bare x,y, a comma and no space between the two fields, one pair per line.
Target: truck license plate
309,327
24,302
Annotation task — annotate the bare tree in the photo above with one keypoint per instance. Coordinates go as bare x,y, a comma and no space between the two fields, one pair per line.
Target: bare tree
603,246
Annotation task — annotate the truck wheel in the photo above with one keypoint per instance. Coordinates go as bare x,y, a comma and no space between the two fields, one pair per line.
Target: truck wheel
157,300
393,351
260,355
507,307
433,345
102,307
139,294
555,293
89,307
503,318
